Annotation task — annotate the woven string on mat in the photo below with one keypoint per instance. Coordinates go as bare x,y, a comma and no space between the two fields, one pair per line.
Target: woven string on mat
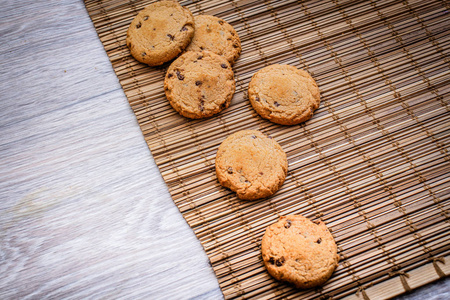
373,162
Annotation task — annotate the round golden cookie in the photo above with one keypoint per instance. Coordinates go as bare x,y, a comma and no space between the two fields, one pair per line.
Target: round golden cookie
216,35
299,251
160,32
199,84
251,164
284,94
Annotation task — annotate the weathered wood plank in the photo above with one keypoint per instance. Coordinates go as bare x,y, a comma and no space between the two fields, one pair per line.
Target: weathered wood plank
84,212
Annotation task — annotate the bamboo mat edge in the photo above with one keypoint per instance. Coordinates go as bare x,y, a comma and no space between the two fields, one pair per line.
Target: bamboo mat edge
405,283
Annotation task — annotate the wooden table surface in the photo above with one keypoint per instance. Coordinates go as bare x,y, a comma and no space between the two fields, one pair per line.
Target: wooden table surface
84,211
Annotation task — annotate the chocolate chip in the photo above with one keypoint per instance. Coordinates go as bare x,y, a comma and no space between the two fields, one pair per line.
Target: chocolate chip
169,75
201,48
138,25
279,262
198,83
180,76
200,57
223,105
261,173
171,37
143,54
232,33
276,104
287,224
220,22
228,39
256,98
271,260
230,170
145,18
171,14
184,28
319,241
253,136
223,66
154,29
201,105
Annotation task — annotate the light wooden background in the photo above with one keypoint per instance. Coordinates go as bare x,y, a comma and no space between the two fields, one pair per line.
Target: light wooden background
84,212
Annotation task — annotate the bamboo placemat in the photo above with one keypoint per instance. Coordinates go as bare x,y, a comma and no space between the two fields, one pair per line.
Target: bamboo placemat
372,163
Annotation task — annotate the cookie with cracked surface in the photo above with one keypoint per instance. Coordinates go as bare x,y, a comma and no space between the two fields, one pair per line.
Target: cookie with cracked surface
160,32
215,35
199,84
251,164
284,94
298,251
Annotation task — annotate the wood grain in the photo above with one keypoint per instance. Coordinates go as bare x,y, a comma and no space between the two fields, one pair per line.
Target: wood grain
84,211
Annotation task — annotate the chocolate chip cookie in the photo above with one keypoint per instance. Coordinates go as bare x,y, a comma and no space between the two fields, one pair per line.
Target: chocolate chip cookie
284,94
199,84
299,251
160,32
216,35
251,164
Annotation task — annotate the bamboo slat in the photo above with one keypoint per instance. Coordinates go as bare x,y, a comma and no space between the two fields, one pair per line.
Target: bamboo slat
373,162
